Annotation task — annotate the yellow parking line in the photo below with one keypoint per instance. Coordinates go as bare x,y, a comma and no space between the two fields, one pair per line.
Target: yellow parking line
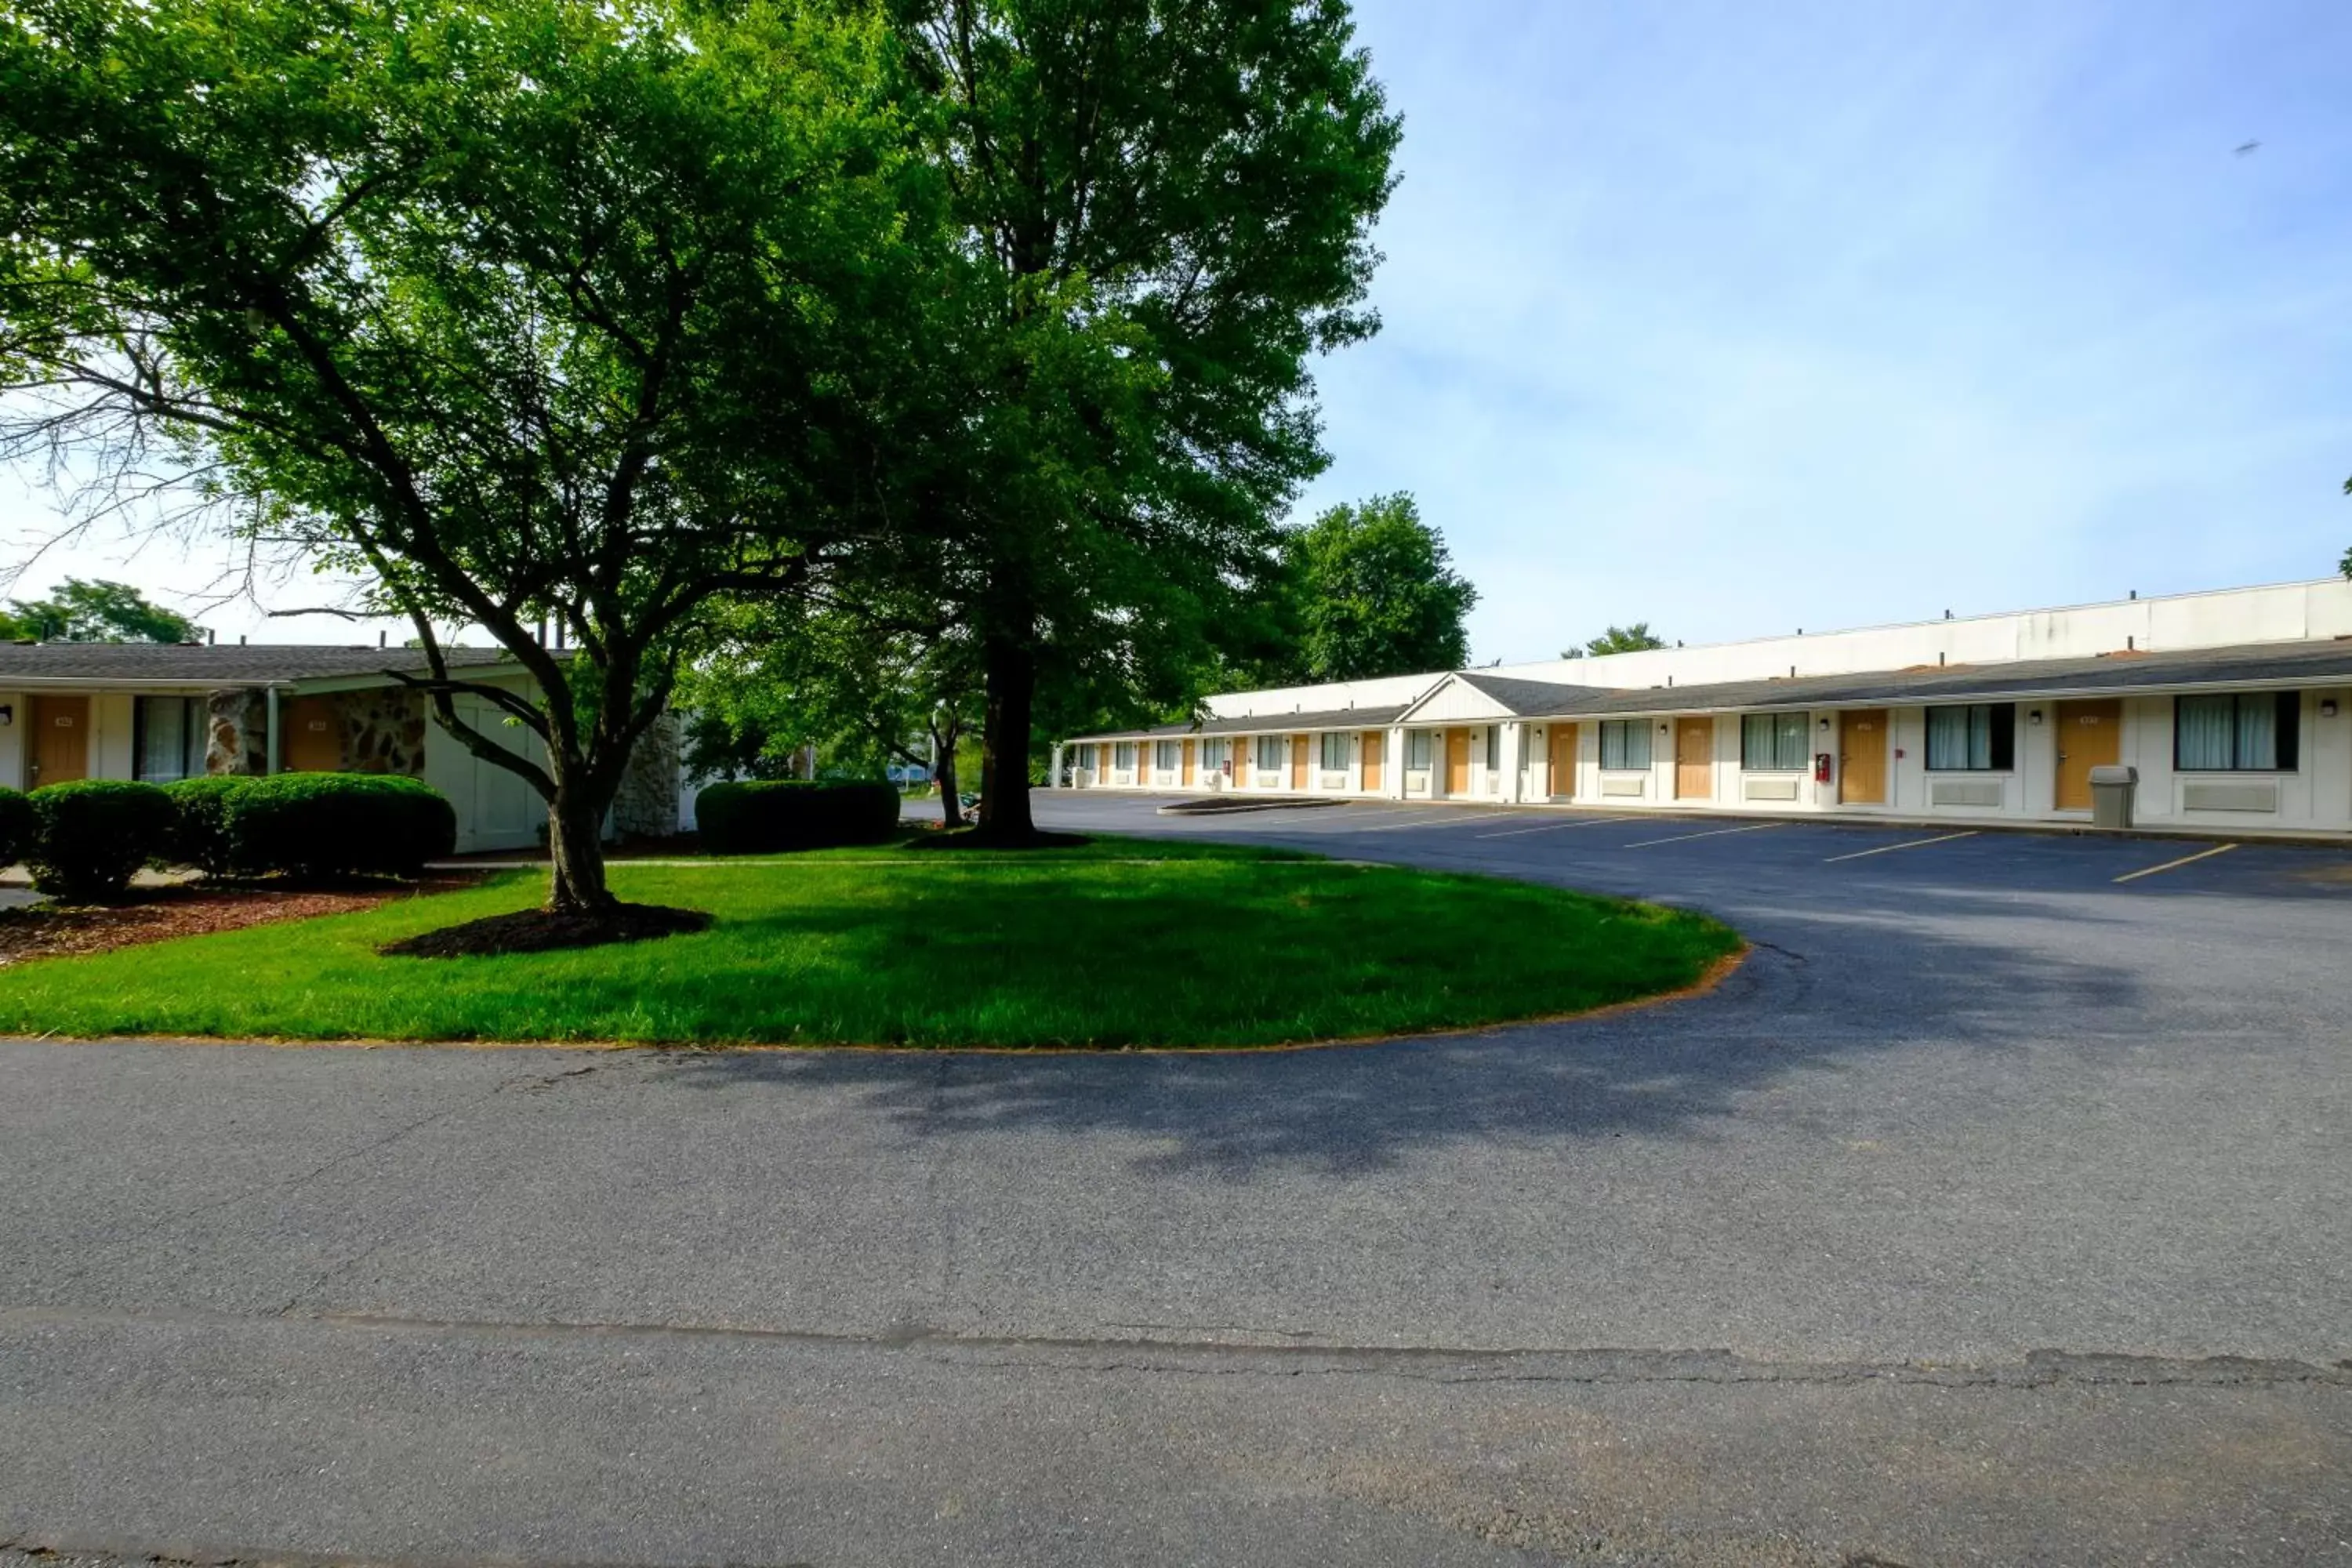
1711,833
1555,826
2176,865
1907,844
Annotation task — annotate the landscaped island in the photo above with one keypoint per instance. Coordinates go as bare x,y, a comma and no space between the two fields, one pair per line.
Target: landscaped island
1119,942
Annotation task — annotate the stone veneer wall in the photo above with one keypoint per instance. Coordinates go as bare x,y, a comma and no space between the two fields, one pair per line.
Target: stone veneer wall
236,731
383,731
647,803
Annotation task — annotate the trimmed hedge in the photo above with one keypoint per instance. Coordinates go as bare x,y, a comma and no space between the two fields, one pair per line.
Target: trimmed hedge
200,822
764,815
90,834
314,826
16,827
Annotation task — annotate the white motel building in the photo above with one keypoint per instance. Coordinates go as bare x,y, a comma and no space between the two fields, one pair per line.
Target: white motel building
2234,708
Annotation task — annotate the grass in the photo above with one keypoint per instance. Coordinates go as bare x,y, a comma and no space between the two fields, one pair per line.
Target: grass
1197,945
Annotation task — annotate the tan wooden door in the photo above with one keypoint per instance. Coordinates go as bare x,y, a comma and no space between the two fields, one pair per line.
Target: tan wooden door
1862,760
1565,754
1375,744
2090,735
1458,762
1298,762
60,741
1191,762
1693,759
310,736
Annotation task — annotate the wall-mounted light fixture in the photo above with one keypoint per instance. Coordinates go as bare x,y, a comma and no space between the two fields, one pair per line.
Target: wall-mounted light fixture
1825,726
1663,726
7,713
2326,710
2034,717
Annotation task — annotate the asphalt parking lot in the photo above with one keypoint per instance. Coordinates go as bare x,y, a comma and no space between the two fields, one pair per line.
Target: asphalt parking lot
1650,853
1992,1212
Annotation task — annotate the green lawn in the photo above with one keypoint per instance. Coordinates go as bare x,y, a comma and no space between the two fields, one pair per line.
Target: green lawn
1196,945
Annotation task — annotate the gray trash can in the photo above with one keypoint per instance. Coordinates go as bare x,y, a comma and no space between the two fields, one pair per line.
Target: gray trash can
2111,796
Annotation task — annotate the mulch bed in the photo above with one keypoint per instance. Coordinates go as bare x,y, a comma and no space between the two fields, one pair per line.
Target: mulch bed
154,914
541,931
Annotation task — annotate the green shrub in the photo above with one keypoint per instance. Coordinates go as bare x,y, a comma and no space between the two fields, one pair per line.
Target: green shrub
200,822
90,834
763,816
16,827
314,826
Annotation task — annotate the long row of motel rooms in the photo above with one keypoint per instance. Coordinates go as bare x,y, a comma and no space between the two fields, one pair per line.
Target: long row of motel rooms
2233,708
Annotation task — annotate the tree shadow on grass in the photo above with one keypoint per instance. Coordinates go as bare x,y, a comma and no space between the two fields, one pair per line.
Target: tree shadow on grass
1678,1069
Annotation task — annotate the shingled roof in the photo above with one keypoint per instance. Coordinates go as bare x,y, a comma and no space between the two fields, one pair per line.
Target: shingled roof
2256,664
210,665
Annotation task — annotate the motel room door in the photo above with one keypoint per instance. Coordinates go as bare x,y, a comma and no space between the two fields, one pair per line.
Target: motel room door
1458,762
1375,744
2090,735
1297,762
309,736
1191,762
60,741
1862,760
1564,743
1693,758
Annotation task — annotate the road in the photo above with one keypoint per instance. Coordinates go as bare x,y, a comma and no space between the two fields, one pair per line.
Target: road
1992,1212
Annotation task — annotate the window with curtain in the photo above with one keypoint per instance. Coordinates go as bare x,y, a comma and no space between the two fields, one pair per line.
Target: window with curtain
1417,748
1269,754
167,738
1975,737
1166,755
1335,752
2239,733
1773,743
1124,752
1494,746
1625,745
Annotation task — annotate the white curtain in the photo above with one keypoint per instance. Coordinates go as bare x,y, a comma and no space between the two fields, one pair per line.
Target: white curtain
2208,733
169,736
2258,732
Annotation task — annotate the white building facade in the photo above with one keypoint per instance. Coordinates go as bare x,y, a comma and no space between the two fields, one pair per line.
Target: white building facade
2234,708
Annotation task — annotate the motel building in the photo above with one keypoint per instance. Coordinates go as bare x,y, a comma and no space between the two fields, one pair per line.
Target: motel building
2232,709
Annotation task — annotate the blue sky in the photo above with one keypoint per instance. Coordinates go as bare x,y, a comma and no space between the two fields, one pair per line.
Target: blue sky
1741,317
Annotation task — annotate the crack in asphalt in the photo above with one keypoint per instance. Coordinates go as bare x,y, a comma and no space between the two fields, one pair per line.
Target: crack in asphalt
1438,1363
529,1083
146,1554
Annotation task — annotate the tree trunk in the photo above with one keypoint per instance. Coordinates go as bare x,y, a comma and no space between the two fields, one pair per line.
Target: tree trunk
1004,745
575,851
944,775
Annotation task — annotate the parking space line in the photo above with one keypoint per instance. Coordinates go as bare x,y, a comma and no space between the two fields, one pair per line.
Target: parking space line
1438,818
1555,826
2176,865
1353,818
1907,843
1710,833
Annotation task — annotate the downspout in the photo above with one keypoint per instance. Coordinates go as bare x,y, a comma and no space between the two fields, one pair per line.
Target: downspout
270,700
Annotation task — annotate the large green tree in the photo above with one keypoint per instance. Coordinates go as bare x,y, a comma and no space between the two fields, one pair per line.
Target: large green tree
866,685
1376,594
1171,205
525,309
1635,638
77,611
